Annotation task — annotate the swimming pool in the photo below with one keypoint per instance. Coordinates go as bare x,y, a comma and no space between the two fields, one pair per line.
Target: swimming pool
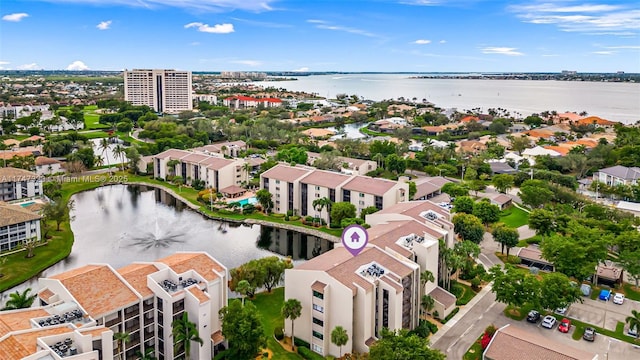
251,200
27,203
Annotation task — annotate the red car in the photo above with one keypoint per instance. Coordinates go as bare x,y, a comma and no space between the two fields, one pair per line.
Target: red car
564,326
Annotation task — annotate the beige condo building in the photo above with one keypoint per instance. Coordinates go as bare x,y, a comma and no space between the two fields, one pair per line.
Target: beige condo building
162,90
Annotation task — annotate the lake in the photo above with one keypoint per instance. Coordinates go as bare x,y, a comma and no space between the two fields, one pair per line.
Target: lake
121,224
613,101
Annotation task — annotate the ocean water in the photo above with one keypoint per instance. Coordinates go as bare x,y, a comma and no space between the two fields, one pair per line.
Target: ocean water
613,101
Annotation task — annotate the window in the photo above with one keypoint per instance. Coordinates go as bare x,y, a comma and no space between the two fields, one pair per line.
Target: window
318,294
317,187
318,308
277,181
318,335
361,195
318,322
317,348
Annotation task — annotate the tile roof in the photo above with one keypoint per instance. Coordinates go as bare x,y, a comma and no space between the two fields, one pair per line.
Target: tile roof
442,296
595,120
18,346
98,289
318,286
233,190
15,214
217,337
326,179
510,342
43,160
200,262
18,320
369,185
623,172
199,294
285,173
387,234
428,185
172,154
94,331
45,294
414,209
532,253
136,275
9,174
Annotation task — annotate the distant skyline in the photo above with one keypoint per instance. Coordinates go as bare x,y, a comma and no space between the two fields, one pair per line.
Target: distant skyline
322,35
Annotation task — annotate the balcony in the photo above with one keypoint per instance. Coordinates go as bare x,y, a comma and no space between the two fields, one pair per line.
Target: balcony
113,322
132,326
130,314
178,306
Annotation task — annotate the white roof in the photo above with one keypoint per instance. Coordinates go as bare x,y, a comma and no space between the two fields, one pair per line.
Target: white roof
631,206
539,150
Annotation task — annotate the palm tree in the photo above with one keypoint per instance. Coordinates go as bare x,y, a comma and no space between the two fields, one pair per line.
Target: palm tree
243,288
339,337
427,303
104,146
148,354
118,151
184,332
121,339
634,320
425,277
18,300
247,169
292,310
322,203
379,159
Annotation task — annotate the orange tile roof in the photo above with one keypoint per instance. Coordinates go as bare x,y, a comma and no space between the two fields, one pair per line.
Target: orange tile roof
285,173
18,320
469,119
217,337
97,289
595,120
559,149
200,262
136,276
45,294
540,133
199,294
94,331
369,185
23,345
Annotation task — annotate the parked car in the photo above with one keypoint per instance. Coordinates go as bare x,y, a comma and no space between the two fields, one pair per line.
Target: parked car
589,334
533,316
618,298
633,331
605,295
561,310
565,325
548,322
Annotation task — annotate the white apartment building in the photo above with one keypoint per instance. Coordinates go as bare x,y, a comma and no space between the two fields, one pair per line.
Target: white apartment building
363,294
18,184
162,90
295,188
217,172
17,225
142,299
349,166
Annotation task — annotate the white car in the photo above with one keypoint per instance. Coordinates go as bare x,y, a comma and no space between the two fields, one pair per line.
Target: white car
618,298
548,322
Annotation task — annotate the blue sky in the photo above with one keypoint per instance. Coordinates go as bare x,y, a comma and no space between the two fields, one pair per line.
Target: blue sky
322,35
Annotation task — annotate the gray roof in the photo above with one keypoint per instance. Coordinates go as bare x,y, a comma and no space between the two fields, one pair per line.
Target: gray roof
623,172
498,167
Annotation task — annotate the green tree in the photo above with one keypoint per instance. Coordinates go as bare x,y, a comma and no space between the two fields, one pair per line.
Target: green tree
58,211
400,345
147,355
454,189
557,291
242,328
184,333
20,300
463,204
395,164
502,182
293,155
468,227
535,193
513,287
121,339
274,268
264,197
243,288
339,337
506,237
630,262
541,220
292,309
134,157
427,303
413,189
342,210
634,320
425,277
323,203
519,143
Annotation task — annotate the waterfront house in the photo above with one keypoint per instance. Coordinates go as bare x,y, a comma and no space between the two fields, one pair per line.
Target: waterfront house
18,184
363,294
141,299
47,166
17,225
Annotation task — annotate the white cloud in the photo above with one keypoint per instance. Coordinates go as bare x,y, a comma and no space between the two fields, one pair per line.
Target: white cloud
77,65
422,42
501,51
2,64
321,24
104,25
595,19
247,62
632,47
215,29
421,2
443,41
200,5
32,66
604,52
302,69
15,17
195,43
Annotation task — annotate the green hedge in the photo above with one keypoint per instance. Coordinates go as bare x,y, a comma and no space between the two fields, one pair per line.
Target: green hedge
453,313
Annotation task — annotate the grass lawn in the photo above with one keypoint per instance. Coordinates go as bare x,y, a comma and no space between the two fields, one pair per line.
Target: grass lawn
514,217
18,268
463,293
269,306
475,351
631,292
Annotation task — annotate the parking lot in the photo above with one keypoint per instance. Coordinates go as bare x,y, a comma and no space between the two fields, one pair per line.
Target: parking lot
604,314
607,348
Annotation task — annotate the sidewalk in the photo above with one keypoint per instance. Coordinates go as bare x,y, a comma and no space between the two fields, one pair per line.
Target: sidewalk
463,311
